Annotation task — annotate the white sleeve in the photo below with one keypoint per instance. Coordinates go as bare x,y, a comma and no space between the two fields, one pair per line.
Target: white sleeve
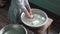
26,2
21,5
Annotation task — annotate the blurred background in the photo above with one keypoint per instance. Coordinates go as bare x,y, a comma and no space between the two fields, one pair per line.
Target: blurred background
51,7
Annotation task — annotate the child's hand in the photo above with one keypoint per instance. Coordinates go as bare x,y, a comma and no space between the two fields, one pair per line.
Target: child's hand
29,14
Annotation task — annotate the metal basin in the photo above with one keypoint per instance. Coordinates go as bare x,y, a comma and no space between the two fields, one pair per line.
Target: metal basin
36,11
13,29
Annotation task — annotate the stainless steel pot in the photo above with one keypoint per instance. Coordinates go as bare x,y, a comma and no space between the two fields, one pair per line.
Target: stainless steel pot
37,11
13,29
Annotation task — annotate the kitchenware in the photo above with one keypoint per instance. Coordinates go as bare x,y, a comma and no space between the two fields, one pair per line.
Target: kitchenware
41,18
13,29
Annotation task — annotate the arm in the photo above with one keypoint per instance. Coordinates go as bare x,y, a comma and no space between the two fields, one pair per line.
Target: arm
25,9
28,6
29,13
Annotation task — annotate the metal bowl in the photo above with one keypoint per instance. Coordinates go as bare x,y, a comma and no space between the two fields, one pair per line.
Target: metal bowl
37,11
13,29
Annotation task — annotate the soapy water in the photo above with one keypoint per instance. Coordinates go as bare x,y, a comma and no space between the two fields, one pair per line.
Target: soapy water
37,20
14,31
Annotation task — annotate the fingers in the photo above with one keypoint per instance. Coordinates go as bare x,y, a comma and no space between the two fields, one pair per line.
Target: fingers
30,12
29,15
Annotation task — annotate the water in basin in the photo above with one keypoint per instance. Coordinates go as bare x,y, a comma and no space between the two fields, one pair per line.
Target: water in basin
14,31
37,20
